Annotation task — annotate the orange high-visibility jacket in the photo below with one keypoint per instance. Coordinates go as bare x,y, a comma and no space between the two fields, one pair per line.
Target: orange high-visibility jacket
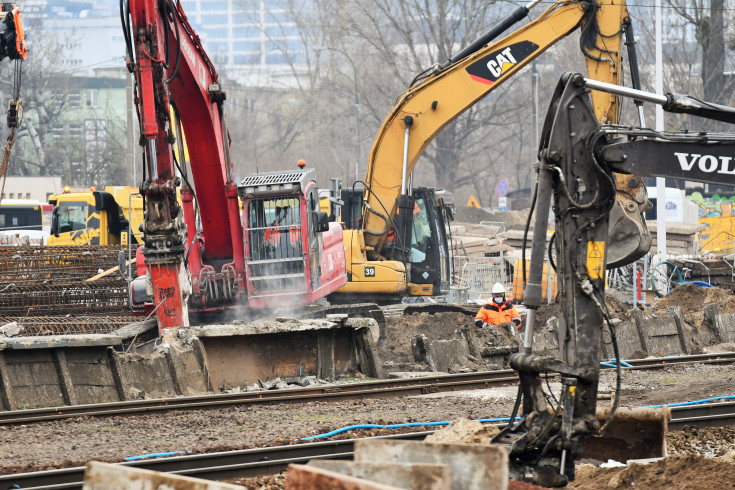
497,314
273,236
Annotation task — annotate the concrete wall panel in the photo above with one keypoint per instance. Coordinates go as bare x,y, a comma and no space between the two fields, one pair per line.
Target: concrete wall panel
91,375
144,373
34,379
241,361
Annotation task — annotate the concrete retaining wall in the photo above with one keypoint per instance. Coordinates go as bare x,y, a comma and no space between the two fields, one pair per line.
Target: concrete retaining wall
646,335
88,369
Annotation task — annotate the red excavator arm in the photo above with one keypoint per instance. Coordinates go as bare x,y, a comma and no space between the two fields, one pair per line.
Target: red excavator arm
172,70
194,252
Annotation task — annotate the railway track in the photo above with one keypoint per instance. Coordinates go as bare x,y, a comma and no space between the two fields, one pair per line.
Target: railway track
248,463
370,389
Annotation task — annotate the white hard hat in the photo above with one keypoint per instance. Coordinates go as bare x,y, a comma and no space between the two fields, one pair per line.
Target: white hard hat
498,288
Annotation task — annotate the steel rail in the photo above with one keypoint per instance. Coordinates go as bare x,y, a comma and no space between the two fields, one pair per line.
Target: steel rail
247,463
369,389
223,465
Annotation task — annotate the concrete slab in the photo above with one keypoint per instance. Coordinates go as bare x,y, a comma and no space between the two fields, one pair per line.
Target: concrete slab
474,466
725,327
629,341
440,355
415,476
659,336
105,476
147,373
57,341
302,477
260,327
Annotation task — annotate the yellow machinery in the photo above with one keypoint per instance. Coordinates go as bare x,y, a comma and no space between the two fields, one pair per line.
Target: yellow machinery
106,217
433,102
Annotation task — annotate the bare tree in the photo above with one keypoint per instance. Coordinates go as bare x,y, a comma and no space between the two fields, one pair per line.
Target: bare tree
372,50
708,19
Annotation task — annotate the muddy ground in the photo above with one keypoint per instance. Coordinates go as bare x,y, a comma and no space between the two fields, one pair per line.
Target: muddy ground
72,442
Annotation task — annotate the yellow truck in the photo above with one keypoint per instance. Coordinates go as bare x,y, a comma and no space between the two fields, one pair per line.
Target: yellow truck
107,217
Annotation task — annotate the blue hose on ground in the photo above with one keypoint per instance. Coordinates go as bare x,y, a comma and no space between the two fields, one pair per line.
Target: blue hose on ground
702,284
396,426
485,421
695,402
622,363
153,455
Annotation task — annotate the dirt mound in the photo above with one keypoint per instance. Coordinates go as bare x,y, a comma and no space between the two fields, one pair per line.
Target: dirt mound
466,431
398,354
617,309
401,329
672,473
691,298
471,215
512,219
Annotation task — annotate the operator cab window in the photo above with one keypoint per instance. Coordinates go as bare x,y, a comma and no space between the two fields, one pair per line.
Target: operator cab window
274,228
420,233
72,216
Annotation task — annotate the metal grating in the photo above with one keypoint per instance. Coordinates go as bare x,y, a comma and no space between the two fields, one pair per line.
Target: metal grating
54,264
69,324
42,298
277,178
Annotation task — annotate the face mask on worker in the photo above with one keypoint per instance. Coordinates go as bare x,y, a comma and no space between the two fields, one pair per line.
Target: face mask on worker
498,299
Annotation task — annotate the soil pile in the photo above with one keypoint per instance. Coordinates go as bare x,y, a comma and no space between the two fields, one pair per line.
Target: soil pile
691,298
672,473
471,215
398,354
512,219
465,431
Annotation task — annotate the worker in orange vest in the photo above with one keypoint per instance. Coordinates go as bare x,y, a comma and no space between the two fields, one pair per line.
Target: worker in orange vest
497,310
273,235
391,236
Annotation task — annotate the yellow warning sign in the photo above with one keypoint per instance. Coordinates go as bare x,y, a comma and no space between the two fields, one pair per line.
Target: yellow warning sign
595,255
473,203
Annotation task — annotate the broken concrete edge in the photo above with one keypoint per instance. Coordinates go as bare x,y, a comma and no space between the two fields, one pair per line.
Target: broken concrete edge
645,335
281,325
303,477
104,476
259,327
403,475
473,466
59,341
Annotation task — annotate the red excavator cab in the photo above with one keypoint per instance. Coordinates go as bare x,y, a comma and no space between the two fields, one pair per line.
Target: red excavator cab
293,254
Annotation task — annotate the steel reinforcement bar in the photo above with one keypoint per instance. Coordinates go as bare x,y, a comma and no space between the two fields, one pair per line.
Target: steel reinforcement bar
40,298
69,324
55,263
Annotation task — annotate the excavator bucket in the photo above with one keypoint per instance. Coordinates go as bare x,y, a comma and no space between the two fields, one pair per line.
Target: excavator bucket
634,433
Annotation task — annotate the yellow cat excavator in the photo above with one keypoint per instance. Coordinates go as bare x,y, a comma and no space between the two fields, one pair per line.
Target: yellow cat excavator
385,254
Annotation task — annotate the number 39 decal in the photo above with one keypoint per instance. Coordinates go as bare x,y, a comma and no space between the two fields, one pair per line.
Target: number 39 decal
369,271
